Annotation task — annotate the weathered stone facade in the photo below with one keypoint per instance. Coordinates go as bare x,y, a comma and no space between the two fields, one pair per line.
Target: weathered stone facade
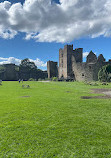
71,65
9,72
12,72
65,61
52,69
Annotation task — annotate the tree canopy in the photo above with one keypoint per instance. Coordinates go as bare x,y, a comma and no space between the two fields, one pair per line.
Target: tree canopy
104,74
26,63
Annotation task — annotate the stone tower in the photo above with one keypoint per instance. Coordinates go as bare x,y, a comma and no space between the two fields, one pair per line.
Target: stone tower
52,69
65,64
65,60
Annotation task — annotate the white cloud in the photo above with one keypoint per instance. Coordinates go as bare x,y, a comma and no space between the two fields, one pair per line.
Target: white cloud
44,21
85,54
10,60
38,62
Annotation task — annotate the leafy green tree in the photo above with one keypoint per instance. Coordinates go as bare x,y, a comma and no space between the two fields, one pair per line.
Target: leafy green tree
104,74
28,69
26,63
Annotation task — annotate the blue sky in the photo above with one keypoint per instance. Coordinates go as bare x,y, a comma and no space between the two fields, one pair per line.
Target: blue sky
41,40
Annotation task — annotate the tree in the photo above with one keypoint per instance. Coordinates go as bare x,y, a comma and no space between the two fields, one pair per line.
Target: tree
28,69
104,74
26,63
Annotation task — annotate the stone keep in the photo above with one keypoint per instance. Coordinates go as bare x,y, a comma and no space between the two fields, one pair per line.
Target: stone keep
65,60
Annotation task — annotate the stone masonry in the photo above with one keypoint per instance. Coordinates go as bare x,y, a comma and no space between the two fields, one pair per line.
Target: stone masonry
52,69
12,72
71,65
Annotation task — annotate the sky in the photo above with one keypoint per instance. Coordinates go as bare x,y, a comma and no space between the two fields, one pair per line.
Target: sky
37,29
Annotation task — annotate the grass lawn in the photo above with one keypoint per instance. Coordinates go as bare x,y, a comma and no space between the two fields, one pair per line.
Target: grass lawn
50,120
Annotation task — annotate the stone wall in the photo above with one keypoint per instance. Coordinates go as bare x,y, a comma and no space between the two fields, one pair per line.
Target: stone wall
12,72
83,71
78,54
60,69
91,58
9,72
52,69
87,71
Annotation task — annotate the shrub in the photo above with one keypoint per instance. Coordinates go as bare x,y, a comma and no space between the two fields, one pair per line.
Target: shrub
39,79
54,79
31,79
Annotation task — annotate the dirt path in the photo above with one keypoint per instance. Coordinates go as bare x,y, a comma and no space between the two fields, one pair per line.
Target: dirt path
106,94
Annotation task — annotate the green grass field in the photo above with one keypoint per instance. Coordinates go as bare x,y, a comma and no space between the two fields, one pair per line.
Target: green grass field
50,120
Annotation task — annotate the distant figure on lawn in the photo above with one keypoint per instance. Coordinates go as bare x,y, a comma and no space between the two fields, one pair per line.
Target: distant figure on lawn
0,82
19,80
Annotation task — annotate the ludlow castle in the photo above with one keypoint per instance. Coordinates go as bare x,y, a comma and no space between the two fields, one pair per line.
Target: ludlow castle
71,65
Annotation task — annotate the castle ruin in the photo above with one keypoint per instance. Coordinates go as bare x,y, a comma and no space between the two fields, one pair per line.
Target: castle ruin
12,72
71,65
52,69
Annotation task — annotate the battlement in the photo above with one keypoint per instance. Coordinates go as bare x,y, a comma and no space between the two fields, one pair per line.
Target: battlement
78,49
68,46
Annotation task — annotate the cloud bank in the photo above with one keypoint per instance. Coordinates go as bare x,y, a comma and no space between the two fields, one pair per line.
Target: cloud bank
13,60
39,63
45,21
